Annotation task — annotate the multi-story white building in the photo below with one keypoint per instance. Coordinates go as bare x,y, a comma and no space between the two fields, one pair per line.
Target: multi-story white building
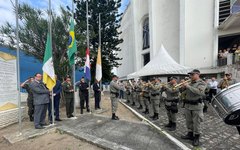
191,30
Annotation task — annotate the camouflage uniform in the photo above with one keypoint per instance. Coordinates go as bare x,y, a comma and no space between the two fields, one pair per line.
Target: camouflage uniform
146,99
194,108
155,98
114,93
171,104
29,100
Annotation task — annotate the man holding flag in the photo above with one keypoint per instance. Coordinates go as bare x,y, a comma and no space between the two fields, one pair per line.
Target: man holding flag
41,92
96,86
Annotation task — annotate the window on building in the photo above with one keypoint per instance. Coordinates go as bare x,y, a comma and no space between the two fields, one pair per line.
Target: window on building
146,58
146,40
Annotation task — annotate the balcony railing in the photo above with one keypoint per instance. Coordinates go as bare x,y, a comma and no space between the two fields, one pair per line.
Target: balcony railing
229,60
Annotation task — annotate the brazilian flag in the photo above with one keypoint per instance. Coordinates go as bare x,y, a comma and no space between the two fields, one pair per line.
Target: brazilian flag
72,46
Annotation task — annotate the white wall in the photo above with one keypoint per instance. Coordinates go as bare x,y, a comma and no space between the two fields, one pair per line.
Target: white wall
165,26
127,47
140,12
199,31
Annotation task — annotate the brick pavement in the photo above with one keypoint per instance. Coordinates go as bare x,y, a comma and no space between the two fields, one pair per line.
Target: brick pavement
215,134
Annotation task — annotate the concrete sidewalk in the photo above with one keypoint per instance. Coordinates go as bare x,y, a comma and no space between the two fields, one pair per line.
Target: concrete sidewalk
121,134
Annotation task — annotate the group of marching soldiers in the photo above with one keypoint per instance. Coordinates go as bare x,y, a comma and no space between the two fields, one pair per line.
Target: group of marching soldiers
149,95
191,92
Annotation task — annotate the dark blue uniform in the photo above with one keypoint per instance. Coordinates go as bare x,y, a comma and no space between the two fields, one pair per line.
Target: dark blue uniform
83,93
56,90
97,95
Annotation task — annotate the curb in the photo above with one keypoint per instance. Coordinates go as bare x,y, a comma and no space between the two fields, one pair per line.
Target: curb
170,137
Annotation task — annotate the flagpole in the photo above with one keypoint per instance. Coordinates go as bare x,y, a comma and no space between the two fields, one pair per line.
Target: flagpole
89,84
18,72
50,33
100,44
73,69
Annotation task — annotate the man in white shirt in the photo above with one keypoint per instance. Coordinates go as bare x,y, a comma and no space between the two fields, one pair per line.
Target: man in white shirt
213,88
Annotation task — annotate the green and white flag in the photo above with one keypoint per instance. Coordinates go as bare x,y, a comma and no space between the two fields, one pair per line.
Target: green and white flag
48,69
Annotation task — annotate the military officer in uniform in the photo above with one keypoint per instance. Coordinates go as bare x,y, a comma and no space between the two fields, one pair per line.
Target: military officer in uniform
68,95
155,88
226,81
138,93
133,93
114,93
26,85
83,94
171,102
146,97
195,90
128,92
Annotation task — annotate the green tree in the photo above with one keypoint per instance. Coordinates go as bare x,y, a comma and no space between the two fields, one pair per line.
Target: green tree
110,24
33,34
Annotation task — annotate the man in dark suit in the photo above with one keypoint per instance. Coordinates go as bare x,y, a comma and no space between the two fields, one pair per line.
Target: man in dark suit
97,94
41,97
56,95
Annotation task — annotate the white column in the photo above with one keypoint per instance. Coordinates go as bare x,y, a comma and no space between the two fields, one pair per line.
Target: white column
215,33
182,33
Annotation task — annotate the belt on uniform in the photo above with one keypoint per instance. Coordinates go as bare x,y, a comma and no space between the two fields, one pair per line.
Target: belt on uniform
193,102
146,96
172,100
155,94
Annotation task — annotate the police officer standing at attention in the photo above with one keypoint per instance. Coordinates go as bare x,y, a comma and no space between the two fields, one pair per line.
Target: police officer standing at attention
138,93
114,93
26,85
68,95
128,92
83,93
171,102
97,94
146,97
195,90
155,88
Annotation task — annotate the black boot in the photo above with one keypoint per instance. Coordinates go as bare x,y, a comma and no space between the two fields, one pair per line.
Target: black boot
196,140
205,109
169,125
188,136
31,118
146,111
88,110
156,117
173,127
81,111
114,117
140,107
133,104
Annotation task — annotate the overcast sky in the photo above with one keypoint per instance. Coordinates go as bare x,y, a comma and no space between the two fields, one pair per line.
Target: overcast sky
7,14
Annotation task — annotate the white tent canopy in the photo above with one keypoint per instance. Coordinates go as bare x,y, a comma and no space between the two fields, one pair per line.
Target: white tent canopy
162,64
132,75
